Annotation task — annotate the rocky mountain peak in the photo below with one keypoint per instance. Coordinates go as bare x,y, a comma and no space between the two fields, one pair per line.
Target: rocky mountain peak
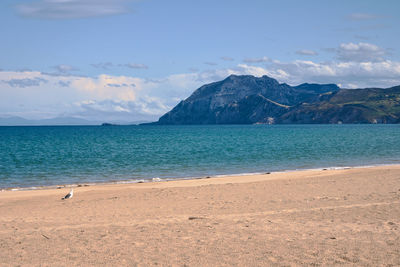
245,99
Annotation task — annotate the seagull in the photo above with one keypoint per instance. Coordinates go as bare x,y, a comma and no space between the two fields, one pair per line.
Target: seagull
69,195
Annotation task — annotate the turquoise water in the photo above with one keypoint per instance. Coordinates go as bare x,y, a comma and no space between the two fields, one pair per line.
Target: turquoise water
42,156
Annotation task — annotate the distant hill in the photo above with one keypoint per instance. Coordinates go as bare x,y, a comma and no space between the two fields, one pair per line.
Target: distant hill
371,105
247,100
58,121
18,121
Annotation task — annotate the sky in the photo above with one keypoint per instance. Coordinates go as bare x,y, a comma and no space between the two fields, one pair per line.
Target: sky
133,60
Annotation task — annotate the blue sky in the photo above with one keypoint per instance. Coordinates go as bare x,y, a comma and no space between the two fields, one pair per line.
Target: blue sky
126,60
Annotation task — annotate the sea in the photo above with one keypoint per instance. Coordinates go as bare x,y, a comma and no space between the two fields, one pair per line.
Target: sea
44,156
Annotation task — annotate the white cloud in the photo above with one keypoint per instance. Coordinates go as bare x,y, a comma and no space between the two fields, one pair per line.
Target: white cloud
34,94
104,87
253,70
349,74
37,95
26,92
361,52
69,9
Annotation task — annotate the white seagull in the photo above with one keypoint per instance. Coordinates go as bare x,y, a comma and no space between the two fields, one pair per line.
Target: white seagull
69,195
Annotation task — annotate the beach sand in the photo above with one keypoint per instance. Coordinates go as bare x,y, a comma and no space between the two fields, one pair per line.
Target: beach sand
316,217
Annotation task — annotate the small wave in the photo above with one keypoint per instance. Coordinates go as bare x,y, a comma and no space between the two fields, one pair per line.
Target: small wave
157,179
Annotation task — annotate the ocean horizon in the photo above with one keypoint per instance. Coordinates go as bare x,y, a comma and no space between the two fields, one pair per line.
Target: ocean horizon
41,156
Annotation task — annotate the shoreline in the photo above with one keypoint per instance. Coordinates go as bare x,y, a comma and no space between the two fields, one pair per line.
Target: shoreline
158,180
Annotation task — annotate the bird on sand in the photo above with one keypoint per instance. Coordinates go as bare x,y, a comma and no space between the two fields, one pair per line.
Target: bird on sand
69,195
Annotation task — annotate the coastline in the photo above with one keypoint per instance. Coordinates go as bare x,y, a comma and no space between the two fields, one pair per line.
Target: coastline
157,179
313,217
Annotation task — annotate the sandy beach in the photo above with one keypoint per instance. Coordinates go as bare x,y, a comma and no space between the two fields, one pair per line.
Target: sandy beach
314,217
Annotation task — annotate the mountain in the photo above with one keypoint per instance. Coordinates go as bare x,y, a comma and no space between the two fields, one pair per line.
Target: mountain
247,100
370,105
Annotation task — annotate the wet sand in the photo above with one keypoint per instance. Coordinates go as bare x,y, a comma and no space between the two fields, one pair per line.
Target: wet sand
318,217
